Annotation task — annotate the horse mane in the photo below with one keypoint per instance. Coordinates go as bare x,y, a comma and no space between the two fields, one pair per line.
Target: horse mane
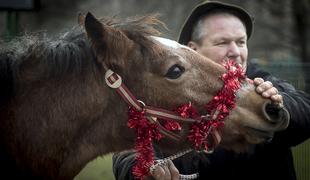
6,79
36,56
137,25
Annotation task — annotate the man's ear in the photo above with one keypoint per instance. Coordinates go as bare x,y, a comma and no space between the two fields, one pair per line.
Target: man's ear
193,45
111,45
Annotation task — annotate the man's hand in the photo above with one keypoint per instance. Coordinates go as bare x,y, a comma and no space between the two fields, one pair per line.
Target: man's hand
266,89
165,172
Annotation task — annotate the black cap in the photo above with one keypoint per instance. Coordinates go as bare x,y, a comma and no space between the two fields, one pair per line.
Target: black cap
206,7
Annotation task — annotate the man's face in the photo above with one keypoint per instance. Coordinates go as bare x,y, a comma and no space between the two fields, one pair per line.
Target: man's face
224,38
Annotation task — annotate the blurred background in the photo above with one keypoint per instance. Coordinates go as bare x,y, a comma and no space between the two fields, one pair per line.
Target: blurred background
280,43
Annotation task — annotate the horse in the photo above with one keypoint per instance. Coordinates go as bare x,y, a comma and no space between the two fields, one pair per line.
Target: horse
57,112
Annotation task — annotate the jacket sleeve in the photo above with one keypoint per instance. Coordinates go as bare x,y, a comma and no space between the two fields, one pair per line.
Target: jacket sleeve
122,165
298,105
124,161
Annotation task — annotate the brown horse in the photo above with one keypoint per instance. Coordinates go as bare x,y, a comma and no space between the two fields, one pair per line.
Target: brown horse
57,113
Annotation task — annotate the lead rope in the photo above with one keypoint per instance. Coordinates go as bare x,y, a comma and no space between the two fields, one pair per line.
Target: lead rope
161,162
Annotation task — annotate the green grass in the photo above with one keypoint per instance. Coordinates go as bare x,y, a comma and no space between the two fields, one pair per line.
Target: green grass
98,169
302,160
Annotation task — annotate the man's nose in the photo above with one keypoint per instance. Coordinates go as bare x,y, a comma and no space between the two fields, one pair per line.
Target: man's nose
233,50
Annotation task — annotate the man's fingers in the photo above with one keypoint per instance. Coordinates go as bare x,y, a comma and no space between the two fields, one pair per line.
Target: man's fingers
277,99
258,81
270,92
167,175
173,171
158,173
264,87
166,171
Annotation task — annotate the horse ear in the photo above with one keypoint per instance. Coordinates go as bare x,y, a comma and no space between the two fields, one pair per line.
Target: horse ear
93,27
107,41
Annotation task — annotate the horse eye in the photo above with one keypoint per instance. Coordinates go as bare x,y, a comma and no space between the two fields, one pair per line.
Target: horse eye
175,71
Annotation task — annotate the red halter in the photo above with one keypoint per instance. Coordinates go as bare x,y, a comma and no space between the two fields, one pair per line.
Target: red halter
144,118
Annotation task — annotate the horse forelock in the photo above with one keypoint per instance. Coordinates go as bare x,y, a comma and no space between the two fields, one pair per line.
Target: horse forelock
138,25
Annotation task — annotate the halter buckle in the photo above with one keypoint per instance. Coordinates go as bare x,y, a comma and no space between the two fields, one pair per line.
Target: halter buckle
112,79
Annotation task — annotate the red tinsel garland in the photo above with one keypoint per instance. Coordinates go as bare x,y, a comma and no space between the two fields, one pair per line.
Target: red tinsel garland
145,133
218,108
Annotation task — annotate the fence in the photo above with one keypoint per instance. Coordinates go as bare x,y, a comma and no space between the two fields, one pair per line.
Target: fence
298,74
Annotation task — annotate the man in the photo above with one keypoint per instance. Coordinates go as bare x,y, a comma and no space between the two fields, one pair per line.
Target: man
221,31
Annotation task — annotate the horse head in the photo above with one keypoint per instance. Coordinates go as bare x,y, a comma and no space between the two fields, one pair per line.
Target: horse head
165,74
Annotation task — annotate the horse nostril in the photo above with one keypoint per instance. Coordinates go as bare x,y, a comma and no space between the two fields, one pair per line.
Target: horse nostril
273,112
276,115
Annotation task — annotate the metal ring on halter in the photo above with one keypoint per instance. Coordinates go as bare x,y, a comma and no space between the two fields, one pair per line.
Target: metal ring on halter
152,119
206,117
208,151
142,103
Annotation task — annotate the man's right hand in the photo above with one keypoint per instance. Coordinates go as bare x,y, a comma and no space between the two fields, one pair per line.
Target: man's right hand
165,172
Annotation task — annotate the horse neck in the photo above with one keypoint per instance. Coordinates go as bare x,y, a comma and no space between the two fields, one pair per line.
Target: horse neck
114,114
69,119
88,106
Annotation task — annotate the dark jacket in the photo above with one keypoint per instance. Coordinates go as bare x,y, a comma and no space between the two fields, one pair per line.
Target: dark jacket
272,160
